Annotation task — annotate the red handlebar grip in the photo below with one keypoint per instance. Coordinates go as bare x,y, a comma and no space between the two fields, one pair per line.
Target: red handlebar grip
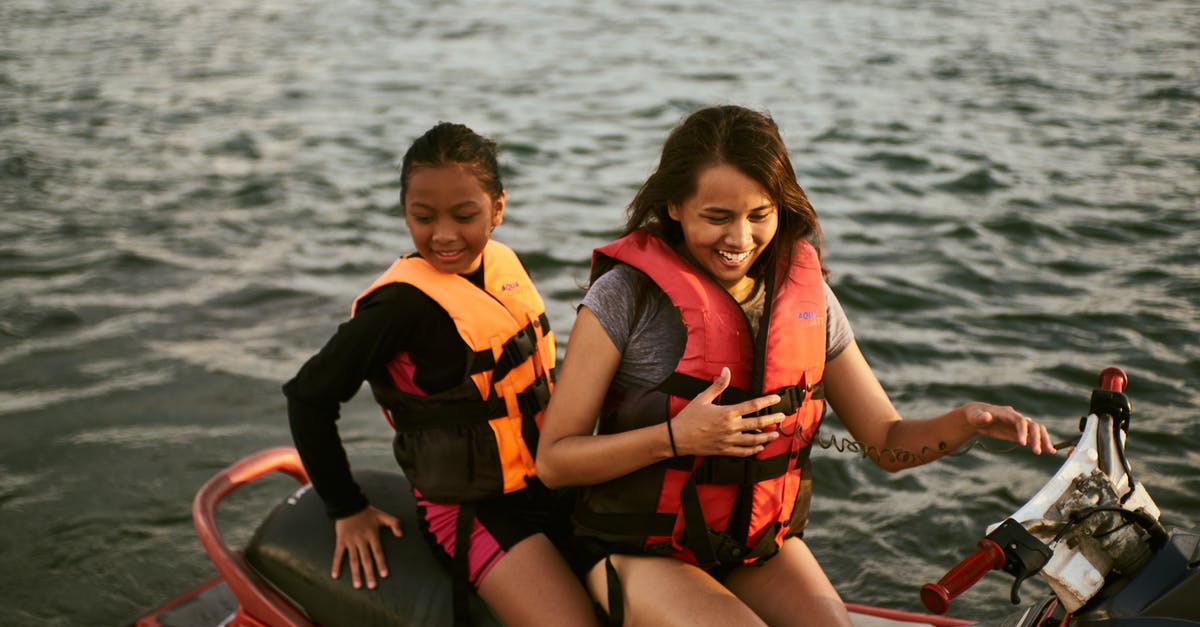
1113,379
987,556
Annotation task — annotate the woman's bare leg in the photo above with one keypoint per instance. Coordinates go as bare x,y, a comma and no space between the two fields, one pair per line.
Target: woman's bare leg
532,585
790,589
664,591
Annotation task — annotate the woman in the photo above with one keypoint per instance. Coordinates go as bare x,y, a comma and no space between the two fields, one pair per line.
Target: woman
708,344
456,346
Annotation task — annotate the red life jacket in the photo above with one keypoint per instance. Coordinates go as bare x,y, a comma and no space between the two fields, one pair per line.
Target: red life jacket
477,439
718,509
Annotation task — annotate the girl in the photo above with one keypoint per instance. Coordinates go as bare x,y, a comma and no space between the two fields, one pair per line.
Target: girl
456,346
707,344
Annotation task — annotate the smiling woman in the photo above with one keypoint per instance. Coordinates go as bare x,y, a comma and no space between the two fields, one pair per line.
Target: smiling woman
708,344
727,223
191,193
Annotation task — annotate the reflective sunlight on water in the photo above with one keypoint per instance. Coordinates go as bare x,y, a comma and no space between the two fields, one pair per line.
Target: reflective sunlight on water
193,192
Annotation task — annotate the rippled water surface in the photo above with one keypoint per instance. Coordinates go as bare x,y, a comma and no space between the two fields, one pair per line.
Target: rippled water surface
193,192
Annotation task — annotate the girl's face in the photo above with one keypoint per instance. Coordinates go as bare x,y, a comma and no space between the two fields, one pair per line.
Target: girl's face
450,216
727,224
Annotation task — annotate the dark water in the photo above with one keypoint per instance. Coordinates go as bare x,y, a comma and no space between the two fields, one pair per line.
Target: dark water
192,192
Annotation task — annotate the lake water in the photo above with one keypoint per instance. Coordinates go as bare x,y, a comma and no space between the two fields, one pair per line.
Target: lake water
193,192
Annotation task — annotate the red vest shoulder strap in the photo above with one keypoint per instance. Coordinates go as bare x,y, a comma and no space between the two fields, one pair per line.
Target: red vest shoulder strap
717,332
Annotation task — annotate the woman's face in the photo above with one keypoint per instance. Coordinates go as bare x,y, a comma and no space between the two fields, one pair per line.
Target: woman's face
727,224
450,216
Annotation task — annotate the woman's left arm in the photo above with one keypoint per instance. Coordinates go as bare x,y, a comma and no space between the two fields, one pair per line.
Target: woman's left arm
865,409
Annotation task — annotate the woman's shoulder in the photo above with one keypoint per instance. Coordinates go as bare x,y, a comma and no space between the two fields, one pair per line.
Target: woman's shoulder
620,287
623,300
621,277
839,333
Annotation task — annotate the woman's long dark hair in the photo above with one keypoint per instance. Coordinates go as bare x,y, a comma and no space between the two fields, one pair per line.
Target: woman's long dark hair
736,136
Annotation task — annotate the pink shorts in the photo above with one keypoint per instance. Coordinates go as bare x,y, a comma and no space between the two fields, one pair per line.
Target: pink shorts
441,520
499,524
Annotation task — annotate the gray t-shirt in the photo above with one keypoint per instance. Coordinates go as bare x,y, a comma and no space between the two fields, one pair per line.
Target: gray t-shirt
652,341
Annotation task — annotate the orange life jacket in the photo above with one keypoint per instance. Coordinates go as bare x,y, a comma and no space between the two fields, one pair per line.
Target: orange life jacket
718,510
477,439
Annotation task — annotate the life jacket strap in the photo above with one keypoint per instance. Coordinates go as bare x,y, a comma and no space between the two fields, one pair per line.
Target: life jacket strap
625,524
532,400
518,348
713,548
695,528
791,397
460,581
616,598
747,471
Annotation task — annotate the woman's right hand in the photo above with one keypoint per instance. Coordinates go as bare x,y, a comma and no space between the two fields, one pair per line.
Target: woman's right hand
358,540
703,428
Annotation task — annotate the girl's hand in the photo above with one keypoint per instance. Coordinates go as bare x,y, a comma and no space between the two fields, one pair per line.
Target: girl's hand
703,428
1006,423
358,539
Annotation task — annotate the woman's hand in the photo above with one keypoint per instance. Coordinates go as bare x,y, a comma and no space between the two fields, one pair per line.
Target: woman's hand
1005,423
358,540
703,428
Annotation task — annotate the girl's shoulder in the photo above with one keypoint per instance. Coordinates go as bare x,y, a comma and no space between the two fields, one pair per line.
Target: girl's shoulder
395,296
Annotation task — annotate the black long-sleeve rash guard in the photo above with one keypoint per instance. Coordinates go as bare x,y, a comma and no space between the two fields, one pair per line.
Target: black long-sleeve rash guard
394,319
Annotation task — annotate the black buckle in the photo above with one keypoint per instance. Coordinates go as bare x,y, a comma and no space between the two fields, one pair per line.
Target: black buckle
535,398
519,347
790,399
729,552
515,351
726,551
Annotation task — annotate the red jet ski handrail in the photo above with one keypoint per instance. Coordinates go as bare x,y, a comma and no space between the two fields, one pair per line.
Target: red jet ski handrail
988,555
259,604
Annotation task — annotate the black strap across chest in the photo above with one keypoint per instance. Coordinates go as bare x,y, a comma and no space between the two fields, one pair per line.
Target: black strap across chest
521,346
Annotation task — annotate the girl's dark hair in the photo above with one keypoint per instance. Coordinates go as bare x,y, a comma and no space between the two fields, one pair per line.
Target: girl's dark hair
736,136
447,144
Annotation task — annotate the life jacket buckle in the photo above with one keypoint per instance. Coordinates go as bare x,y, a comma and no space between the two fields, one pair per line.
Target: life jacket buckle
789,401
535,398
520,346
792,398
726,550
